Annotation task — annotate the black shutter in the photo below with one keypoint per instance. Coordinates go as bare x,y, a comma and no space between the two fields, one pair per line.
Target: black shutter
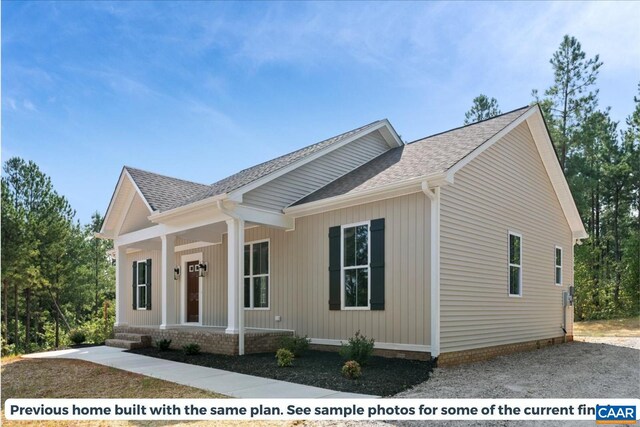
149,284
377,264
134,285
334,268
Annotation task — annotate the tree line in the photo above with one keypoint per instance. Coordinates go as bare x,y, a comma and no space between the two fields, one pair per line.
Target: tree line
601,162
56,276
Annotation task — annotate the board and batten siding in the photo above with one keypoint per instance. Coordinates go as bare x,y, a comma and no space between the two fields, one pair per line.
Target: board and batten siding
505,188
290,187
300,275
143,317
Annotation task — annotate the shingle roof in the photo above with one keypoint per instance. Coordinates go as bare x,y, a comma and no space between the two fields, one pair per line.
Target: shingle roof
426,156
164,193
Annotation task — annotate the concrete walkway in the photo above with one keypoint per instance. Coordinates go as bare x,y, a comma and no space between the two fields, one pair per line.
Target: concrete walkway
215,380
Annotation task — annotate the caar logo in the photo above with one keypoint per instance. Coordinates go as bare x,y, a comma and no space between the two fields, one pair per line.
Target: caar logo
615,414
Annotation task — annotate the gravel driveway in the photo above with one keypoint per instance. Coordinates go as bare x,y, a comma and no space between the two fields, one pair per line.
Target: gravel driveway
601,368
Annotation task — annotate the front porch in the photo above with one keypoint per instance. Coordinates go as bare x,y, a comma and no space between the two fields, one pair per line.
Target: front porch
211,339
190,276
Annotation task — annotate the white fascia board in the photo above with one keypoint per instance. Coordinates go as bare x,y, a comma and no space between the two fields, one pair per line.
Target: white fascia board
168,216
402,188
488,143
559,183
123,175
164,229
126,172
264,217
390,135
237,194
194,245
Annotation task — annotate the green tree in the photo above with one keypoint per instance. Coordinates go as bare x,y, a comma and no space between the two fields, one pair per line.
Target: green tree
483,108
572,97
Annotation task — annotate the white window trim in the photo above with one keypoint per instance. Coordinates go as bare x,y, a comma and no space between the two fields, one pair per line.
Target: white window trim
555,265
518,295
252,276
138,285
184,259
342,267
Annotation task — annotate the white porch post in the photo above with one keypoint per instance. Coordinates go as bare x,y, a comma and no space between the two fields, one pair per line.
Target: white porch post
121,285
235,278
168,293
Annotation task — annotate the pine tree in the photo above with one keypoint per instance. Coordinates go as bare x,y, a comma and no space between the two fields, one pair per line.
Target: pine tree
483,108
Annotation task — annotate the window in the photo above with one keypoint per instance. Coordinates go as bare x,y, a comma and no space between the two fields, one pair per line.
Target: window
141,285
515,264
355,266
558,270
256,275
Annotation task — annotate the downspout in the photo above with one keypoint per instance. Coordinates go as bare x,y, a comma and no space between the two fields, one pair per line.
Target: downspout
234,215
434,197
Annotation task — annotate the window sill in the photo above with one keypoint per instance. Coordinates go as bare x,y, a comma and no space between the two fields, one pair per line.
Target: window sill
257,308
356,308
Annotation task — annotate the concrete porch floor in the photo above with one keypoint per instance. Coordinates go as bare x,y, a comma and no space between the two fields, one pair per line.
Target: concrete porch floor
215,380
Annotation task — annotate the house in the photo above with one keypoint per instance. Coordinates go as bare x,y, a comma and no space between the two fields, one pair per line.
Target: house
457,246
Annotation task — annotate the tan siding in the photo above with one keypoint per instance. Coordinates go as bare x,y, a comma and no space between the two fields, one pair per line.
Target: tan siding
284,190
505,188
144,317
136,217
300,281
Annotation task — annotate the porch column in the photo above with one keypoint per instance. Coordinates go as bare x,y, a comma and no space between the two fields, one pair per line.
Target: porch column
168,291
121,285
235,275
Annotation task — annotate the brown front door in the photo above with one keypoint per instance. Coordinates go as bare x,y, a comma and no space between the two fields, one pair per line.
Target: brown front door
193,292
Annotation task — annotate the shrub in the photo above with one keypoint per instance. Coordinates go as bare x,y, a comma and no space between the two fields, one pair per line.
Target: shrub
358,349
77,336
351,370
191,349
295,344
163,344
285,357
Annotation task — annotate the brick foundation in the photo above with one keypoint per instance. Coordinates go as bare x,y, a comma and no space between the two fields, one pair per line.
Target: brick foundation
400,354
211,341
479,354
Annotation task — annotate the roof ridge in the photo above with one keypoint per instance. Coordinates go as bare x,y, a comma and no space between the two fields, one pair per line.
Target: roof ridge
472,124
164,176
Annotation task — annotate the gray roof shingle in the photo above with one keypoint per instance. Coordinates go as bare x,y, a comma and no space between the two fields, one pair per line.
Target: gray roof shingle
162,192
165,193
426,156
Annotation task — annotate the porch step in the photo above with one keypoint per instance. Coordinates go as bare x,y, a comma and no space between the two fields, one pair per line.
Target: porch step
129,341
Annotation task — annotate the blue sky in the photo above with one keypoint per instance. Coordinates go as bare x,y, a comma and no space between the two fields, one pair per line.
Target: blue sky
201,90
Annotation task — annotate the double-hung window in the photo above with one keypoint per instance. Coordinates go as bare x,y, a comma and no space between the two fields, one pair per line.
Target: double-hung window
356,283
558,266
515,264
256,275
141,285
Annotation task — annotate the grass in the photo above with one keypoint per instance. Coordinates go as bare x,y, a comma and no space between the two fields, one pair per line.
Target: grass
381,376
63,378
629,327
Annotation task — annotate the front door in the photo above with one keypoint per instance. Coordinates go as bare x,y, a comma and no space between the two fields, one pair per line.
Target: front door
193,292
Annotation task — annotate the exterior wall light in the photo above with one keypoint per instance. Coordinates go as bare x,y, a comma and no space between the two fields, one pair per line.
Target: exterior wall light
202,269
176,273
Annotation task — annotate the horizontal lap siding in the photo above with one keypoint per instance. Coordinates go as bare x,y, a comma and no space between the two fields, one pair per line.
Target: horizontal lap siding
504,188
284,190
300,279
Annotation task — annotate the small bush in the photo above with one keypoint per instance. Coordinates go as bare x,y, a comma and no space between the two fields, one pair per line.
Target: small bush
285,357
295,344
163,344
358,349
351,370
77,336
191,349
